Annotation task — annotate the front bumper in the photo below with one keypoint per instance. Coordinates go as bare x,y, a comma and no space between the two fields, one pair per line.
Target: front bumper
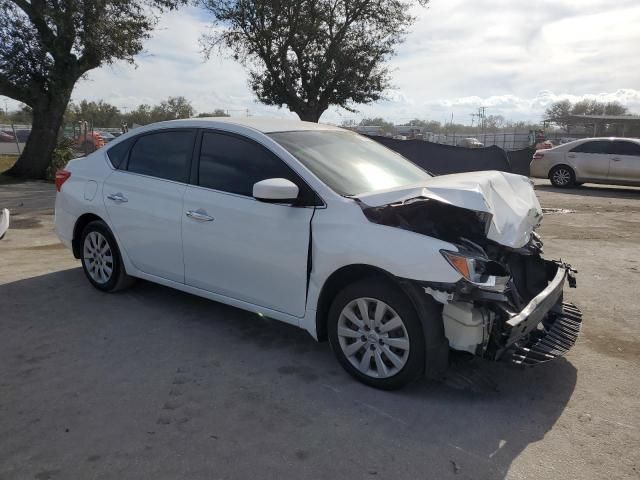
560,332
521,333
545,328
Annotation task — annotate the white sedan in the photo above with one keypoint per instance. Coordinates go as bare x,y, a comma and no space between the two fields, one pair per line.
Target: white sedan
614,161
326,230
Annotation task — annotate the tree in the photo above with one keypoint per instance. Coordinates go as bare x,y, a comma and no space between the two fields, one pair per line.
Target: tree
558,113
23,115
47,45
169,109
310,54
218,112
172,108
493,123
100,114
385,127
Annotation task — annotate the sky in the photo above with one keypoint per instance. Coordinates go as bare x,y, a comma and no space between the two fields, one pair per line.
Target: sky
514,57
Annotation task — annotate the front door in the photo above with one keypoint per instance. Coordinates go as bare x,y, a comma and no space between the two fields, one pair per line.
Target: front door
144,201
235,245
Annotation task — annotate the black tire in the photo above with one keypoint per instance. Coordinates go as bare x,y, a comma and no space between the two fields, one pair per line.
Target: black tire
118,280
379,288
562,176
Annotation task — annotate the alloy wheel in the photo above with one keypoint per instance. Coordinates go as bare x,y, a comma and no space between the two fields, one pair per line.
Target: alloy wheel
562,176
373,337
98,257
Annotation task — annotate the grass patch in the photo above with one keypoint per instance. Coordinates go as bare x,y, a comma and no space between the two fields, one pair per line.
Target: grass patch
6,162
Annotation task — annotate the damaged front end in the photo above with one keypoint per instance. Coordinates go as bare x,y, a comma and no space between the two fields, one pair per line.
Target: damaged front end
508,305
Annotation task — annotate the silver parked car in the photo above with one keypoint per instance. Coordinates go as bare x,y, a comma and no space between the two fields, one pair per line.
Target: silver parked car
611,160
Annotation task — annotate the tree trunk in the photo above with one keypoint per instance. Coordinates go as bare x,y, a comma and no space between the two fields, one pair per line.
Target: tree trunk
37,153
310,115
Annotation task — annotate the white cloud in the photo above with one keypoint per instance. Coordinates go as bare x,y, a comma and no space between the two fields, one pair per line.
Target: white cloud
513,57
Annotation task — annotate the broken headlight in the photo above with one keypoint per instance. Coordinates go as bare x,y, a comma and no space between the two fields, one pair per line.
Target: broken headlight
477,270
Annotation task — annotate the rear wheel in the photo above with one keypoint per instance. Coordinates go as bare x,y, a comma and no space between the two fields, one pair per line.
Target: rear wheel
376,334
101,258
562,176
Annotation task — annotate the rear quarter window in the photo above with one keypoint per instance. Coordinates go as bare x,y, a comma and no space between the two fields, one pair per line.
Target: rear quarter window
118,153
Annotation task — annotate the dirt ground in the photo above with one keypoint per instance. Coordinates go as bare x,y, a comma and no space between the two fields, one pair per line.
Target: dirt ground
154,383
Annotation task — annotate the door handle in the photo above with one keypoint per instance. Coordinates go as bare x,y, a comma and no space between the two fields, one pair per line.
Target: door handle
616,159
199,215
117,197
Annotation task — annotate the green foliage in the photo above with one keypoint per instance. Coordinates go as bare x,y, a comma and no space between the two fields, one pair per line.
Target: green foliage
47,45
22,115
310,54
100,113
559,112
169,109
218,112
61,156
386,127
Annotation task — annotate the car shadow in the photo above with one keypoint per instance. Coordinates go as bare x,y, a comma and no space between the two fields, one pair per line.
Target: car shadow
594,190
265,387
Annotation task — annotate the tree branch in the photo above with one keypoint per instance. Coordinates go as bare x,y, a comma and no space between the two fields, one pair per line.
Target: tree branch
10,90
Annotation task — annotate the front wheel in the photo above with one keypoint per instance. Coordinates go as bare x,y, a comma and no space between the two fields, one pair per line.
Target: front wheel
376,334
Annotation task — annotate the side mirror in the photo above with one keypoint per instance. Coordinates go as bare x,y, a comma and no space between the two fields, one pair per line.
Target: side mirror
275,190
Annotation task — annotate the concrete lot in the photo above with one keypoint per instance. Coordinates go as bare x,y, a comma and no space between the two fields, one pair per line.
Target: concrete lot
153,383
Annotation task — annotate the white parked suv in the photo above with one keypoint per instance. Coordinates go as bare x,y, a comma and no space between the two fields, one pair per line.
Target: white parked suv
614,161
327,230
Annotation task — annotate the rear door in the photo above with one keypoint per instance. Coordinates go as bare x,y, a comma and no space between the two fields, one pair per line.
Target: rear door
591,159
235,245
144,198
625,161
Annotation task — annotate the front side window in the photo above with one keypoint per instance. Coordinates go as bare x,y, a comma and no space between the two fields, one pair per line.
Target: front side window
232,164
596,146
348,163
164,155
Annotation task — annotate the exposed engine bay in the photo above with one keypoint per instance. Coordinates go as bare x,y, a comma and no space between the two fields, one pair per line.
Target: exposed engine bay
509,302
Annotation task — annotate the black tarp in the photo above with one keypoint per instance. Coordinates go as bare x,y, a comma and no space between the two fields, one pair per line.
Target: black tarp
520,160
442,159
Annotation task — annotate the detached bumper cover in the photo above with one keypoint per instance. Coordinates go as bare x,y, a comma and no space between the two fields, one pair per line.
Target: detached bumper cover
546,328
535,311
556,339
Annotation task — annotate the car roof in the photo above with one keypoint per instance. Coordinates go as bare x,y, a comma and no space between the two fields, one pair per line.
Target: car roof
262,124
591,139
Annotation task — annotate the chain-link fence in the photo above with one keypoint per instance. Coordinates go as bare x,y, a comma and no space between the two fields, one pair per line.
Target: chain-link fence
504,140
86,138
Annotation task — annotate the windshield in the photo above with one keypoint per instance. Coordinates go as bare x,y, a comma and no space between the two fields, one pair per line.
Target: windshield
348,163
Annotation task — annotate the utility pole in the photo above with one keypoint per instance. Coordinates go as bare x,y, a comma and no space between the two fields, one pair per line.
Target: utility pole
481,119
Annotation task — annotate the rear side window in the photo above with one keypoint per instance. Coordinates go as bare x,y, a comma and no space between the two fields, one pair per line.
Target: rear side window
596,146
621,147
118,153
164,155
233,164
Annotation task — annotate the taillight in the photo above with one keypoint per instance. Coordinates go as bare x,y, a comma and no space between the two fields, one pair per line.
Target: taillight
61,177
538,155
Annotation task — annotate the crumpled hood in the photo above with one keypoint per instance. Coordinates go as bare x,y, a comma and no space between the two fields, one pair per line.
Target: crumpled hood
509,198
